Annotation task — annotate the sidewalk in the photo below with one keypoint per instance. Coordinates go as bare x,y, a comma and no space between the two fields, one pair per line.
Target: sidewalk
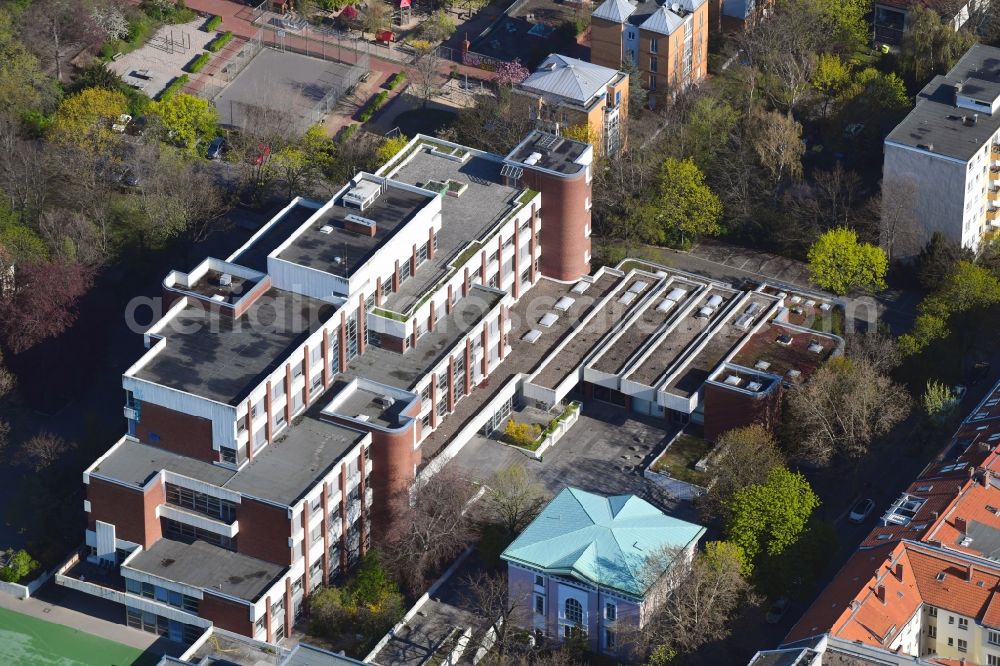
88,614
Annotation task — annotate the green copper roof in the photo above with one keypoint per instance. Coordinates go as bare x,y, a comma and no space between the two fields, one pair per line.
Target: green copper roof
602,540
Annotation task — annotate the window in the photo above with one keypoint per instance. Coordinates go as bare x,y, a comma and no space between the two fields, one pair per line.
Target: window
228,455
190,534
932,611
609,639
653,46
951,642
963,646
539,581
963,624
610,612
574,611
652,67
278,390
993,637
951,619
540,604
317,534
201,503
932,631
992,660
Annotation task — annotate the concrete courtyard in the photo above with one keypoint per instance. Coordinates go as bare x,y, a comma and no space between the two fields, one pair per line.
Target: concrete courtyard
164,56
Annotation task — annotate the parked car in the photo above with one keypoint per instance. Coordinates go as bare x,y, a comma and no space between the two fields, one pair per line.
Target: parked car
861,510
129,178
215,148
777,610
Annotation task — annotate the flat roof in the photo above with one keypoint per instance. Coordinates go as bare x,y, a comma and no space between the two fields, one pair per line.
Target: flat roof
341,252
464,218
765,346
935,121
590,334
223,359
676,341
206,566
360,401
255,256
282,472
405,370
720,344
556,153
648,325
210,285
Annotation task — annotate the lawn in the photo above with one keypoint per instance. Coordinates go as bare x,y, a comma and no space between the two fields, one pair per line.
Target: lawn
680,458
27,641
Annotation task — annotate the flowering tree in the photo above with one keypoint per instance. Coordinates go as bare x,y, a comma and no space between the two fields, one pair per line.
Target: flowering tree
511,73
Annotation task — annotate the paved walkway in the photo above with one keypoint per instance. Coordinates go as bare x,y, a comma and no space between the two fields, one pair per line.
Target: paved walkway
89,614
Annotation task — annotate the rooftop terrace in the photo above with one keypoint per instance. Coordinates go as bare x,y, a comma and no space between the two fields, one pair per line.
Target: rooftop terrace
203,565
464,218
327,245
549,151
405,370
282,472
223,359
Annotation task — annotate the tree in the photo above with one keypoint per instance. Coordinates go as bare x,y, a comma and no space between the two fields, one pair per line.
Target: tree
426,77
700,605
431,525
43,450
841,410
23,87
874,348
777,140
583,133
513,498
111,20
830,78
938,259
375,17
521,434
505,612
878,91
20,565
43,303
294,167
967,292
510,73
85,119
437,27
369,604
54,25
745,456
930,45
682,207
937,401
766,518
186,119
390,147
898,230
838,262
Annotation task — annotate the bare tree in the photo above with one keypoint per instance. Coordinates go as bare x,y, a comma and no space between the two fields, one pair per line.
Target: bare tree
507,612
513,498
840,411
899,230
44,449
873,348
427,78
53,26
430,526
777,138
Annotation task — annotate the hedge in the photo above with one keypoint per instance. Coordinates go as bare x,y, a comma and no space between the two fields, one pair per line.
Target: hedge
213,23
216,44
396,79
174,86
347,132
199,62
377,103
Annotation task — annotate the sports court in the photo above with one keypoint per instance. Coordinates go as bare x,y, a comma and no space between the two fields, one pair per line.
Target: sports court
296,89
28,641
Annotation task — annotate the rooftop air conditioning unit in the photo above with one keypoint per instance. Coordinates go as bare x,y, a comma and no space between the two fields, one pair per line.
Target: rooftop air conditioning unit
326,230
754,386
733,380
225,280
384,401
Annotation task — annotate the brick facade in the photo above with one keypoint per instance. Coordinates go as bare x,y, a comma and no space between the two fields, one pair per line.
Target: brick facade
132,512
264,532
178,432
226,614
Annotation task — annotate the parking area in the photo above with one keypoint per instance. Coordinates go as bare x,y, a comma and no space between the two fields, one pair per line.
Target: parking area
604,452
163,57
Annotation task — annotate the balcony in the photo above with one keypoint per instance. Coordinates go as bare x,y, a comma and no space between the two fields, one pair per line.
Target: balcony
995,150
991,213
994,172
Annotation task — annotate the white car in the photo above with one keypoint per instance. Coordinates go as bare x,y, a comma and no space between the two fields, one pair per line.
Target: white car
861,510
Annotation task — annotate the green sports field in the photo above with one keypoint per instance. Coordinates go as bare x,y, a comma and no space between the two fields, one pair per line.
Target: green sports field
27,641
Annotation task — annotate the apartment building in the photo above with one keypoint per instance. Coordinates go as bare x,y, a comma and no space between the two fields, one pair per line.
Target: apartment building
288,390
668,43
926,580
891,18
584,564
565,92
944,157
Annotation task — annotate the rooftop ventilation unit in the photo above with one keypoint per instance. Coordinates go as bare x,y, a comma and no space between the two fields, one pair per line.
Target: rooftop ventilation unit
762,364
815,347
784,340
753,309
384,401
533,159
225,280
733,380
743,322
363,221
363,194
754,386
326,230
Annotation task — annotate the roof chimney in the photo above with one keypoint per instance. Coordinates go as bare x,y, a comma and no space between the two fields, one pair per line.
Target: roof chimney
986,478
880,593
961,525
972,570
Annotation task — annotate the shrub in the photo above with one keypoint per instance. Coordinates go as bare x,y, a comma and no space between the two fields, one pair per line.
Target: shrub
20,565
173,87
377,103
522,434
216,44
347,132
396,79
198,63
213,23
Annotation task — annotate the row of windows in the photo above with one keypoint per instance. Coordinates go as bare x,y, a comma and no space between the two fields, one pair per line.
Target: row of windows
161,626
163,595
190,534
202,503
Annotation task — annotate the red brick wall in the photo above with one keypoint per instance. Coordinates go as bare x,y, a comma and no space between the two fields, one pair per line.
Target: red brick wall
564,221
131,512
226,614
726,409
178,432
264,532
